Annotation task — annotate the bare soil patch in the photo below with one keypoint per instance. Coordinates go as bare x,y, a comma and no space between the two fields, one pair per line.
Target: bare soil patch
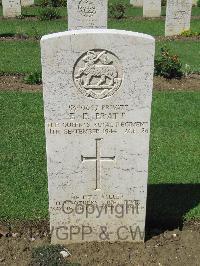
28,18
192,83
153,18
25,17
16,83
19,37
168,248
178,38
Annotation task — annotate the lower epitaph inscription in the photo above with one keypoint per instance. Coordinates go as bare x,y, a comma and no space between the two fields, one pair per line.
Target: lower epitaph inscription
97,87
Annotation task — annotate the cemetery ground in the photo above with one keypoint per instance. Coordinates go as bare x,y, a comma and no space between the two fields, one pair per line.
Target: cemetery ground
173,205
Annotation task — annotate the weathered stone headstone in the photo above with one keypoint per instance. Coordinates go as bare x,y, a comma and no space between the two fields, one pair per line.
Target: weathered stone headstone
11,8
151,8
27,2
97,87
86,14
178,16
136,3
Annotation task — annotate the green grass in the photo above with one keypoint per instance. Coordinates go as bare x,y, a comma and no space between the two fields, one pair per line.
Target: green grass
35,11
23,164
37,27
175,147
33,28
152,27
19,57
175,138
196,11
24,56
174,170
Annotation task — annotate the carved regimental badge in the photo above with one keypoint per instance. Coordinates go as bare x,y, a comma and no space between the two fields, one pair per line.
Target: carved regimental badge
98,74
87,8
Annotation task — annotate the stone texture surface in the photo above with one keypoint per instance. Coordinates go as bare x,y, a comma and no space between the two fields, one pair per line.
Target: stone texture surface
11,8
87,14
178,16
27,2
151,8
136,3
97,87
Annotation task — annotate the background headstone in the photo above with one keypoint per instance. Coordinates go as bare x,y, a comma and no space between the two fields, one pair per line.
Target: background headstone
136,3
27,2
151,8
85,14
11,8
97,87
194,2
178,16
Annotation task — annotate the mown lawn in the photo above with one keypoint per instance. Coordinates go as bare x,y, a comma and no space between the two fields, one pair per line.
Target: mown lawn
39,28
24,56
19,57
174,172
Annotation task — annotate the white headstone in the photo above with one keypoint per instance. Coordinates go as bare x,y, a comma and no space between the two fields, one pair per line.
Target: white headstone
136,3
151,8
27,2
11,8
178,16
97,87
86,14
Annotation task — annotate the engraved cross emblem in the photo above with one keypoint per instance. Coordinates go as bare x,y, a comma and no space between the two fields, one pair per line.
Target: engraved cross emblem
98,159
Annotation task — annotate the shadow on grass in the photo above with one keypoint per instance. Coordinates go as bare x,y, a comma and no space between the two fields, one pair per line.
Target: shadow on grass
167,204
